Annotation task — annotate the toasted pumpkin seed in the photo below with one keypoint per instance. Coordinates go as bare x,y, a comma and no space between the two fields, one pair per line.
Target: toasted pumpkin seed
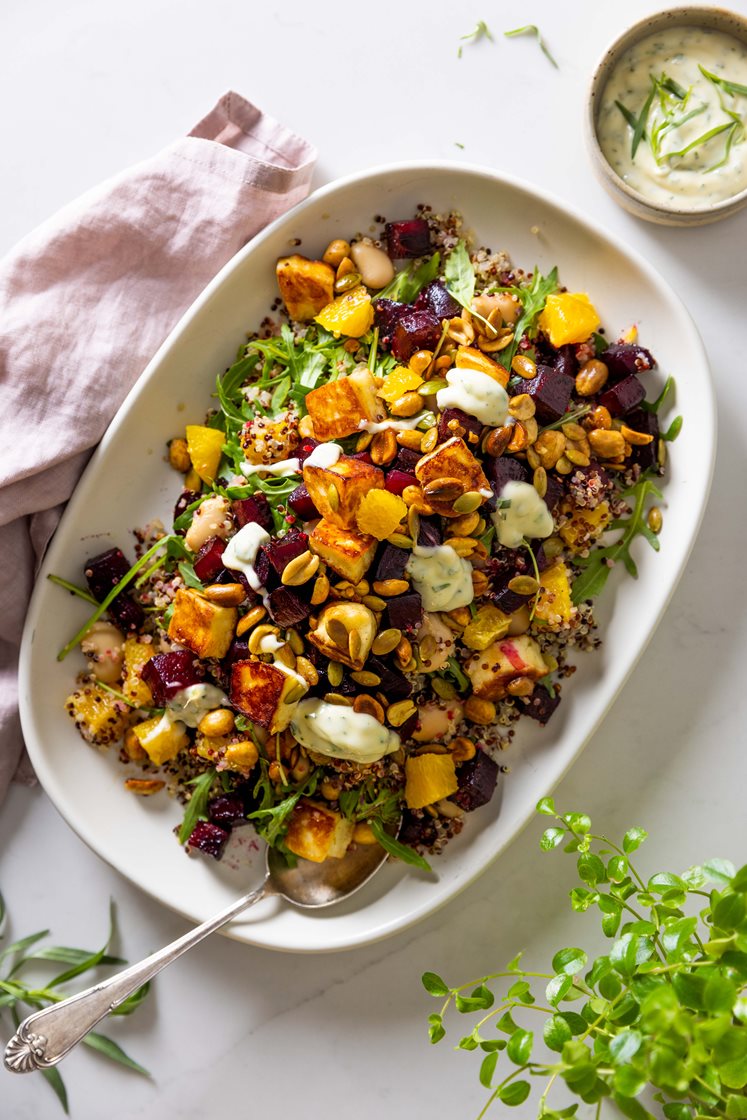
443,688
333,497
399,713
429,441
523,585
338,633
365,678
539,480
654,519
386,641
373,602
400,540
468,502
336,698
334,673
445,489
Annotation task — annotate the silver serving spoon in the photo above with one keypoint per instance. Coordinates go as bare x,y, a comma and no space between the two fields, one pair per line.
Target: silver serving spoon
45,1037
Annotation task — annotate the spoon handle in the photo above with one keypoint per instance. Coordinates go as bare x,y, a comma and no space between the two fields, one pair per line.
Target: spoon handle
45,1037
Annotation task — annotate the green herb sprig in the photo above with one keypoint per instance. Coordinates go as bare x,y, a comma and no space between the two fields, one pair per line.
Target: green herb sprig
482,31
20,995
196,807
665,1009
532,29
380,808
596,567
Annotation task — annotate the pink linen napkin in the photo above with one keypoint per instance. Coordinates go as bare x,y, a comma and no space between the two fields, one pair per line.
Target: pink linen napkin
87,299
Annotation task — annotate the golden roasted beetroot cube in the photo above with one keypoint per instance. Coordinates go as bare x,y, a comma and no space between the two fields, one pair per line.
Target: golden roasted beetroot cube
205,628
452,459
265,694
317,833
345,552
338,408
306,286
337,491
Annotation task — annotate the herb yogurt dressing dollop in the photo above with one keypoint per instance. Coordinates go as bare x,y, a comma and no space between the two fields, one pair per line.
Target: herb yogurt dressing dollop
477,394
694,153
441,577
193,702
339,732
241,552
524,516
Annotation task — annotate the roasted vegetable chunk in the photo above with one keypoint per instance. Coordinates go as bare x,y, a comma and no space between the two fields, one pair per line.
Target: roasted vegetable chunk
203,627
306,286
345,632
265,694
451,460
338,491
317,833
492,669
338,408
347,553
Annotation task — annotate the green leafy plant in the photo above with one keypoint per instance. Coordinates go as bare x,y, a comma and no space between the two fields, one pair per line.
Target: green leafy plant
533,297
20,995
380,809
664,1010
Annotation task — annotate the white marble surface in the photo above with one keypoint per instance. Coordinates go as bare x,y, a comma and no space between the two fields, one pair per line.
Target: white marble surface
88,87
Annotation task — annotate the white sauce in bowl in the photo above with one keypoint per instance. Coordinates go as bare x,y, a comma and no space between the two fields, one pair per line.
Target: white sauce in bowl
683,171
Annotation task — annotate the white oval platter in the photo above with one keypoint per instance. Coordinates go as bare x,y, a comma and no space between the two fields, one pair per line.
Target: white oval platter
127,483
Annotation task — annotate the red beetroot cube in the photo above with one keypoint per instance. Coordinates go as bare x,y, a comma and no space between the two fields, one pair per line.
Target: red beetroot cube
103,573
429,533
644,454
208,562
477,779
302,504
417,831
623,397
305,448
436,297
392,563
185,499
226,810
237,651
209,839
396,482
253,510
168,673
551,392
541,704
406,460
625,358
405,613
281,550
287,607
387,313
394,684
418,330
408,239
502,470
454,422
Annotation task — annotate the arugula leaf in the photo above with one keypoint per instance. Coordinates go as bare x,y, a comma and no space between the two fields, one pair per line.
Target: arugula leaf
597,566
459,275
533,298
396,848
272,820
532,29
188,574
366,802
408,284
196,807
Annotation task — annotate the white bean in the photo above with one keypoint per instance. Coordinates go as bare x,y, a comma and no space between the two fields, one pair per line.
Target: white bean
374,266
211,519
103,645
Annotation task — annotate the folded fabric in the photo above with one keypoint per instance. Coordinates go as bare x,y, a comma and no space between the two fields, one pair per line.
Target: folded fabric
87,299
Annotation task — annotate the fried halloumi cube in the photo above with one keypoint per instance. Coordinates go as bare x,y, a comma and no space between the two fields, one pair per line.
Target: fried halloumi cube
317,833
306,286
266,694
338,408
205,628
338,490
492,669
345,552
345,632
452,459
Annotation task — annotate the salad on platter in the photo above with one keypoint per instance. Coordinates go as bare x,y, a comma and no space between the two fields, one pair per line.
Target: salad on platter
416,478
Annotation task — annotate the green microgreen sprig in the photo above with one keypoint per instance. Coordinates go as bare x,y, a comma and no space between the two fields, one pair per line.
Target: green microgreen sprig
481,31
20,995
596,567
532,29
665,1010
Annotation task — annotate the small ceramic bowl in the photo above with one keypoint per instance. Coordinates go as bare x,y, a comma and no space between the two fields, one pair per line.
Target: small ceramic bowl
715,19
